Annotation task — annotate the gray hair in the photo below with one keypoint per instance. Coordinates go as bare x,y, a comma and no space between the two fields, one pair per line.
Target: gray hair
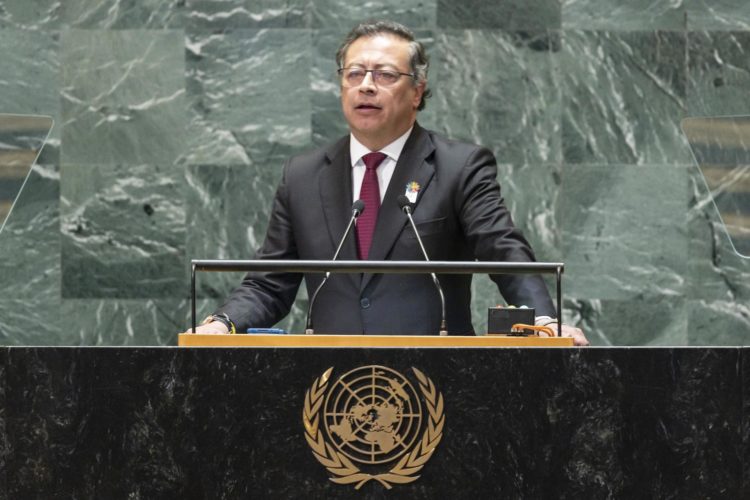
418,59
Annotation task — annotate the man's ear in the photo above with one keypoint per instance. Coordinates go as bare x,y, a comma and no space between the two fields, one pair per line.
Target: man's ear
418,94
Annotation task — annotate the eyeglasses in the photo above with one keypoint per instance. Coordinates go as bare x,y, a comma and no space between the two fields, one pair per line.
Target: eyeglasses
351,77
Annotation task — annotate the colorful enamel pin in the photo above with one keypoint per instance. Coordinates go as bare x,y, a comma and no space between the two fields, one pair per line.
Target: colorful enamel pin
412,190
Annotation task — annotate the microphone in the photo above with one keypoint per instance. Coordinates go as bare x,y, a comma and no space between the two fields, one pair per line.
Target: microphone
406,207
357,208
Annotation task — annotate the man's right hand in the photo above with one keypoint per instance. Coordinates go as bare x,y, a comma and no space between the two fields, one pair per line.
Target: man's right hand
212,328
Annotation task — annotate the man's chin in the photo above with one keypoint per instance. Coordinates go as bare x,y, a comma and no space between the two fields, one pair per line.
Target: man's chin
366,127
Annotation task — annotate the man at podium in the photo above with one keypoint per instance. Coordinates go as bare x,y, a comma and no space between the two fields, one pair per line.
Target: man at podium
388,157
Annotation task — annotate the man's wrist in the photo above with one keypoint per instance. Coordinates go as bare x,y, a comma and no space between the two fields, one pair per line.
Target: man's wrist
223,319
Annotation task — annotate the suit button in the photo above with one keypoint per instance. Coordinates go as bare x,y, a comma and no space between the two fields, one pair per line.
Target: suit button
365,303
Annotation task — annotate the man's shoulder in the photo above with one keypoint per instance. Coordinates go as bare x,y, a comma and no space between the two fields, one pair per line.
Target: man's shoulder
455,148
315,157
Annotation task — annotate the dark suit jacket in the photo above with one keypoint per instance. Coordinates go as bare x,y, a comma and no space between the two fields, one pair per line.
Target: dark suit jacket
460,215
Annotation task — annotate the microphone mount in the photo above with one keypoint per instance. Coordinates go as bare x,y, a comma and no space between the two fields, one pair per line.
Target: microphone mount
357,208
406,207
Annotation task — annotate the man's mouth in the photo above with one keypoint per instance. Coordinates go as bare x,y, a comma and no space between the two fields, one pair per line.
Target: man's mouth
366,106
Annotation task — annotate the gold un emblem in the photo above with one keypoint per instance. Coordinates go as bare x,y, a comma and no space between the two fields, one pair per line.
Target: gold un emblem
369,425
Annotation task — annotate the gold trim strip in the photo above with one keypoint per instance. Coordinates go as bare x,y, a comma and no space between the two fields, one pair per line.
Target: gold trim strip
293,340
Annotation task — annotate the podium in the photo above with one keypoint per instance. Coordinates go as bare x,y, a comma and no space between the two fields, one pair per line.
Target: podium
263,340
498,422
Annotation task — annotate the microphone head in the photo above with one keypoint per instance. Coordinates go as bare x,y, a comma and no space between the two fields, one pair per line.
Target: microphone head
403,202
358,207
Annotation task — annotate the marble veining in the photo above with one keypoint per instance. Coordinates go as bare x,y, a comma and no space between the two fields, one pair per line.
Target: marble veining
604,240
122,236
234,84
634,15
625,97
122,96
512,15
482,69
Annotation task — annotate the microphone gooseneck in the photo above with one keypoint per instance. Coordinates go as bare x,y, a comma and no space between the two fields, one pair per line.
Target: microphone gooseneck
406,207
357,208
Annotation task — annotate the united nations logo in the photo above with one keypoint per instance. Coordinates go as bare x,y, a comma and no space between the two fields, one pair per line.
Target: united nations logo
372,417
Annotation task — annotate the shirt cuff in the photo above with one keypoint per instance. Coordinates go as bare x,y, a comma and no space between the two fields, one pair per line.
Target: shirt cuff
544,320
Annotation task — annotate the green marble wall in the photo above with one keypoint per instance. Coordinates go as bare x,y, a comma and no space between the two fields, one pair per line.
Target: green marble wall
173,119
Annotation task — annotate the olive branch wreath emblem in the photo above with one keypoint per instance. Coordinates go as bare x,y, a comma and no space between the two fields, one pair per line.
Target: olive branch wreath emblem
344,470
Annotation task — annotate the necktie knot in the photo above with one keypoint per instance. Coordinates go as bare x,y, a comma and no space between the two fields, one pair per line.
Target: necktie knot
373,160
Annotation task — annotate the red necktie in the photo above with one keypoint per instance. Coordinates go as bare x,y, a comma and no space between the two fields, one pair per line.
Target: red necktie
370,194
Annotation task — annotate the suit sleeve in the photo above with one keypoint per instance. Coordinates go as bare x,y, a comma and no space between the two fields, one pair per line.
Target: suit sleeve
489,228
263,299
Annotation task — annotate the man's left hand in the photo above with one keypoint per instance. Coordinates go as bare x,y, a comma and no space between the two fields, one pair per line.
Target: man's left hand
571,331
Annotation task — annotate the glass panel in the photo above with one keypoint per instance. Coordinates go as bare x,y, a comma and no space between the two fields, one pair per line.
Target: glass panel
721,147
21,140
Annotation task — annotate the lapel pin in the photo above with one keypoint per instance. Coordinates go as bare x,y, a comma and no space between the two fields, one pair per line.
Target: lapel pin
412,190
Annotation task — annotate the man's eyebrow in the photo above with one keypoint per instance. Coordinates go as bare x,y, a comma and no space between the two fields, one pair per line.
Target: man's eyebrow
386,65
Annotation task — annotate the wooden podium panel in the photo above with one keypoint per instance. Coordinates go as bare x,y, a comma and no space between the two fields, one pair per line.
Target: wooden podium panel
260,340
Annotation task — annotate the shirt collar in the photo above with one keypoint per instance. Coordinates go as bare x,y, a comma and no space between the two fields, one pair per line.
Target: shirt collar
357,150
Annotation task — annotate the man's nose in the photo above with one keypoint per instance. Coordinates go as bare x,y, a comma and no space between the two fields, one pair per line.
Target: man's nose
368,83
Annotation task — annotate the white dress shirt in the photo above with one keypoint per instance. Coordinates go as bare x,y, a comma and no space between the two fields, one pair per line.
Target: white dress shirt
384,171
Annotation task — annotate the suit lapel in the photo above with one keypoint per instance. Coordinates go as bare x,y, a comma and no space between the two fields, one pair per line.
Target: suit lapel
411,166
335,185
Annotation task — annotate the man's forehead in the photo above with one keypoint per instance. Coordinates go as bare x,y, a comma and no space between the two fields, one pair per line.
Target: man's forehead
381,44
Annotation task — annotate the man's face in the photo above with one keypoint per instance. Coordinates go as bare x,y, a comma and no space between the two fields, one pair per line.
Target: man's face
379,114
